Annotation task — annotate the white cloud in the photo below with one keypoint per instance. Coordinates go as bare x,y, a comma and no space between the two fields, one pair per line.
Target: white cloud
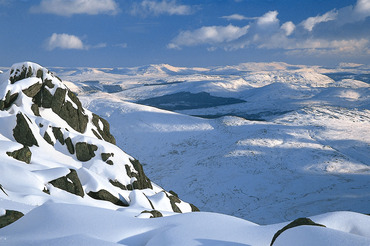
208,35
311,22
322,47
71,7
238,17
288,27
268,19
64,41
121,45
169,7
363,7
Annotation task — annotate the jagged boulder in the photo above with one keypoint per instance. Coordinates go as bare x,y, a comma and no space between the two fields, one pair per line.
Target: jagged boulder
8,100
32,90
104,131
24,154
118,184
142,181
9,217
85,151
107,196
70,183
22,132
105,158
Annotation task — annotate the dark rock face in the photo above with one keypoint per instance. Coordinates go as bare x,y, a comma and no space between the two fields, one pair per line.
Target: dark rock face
73,187
8,100
22,132
173,201
194,208
48,139
118,184
20,74
142,181
24,154
85,151
75,117
10,217
297,222
35,109
105,157
32,90
154,213
58,134
106,196
70,147
105,132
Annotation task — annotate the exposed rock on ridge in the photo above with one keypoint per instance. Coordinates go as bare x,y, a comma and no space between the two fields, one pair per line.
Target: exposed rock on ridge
69,148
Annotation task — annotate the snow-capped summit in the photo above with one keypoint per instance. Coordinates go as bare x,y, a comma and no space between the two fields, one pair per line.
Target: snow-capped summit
51,148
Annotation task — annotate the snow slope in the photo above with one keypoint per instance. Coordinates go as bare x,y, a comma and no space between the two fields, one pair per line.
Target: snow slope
308,155
65,224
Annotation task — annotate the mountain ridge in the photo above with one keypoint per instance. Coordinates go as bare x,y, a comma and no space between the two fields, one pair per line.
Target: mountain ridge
65,148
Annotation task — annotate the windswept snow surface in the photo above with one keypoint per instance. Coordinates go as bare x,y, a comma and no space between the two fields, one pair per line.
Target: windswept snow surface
67,224
307,153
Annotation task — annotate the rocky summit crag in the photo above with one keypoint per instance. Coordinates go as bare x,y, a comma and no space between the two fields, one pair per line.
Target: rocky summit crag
52,149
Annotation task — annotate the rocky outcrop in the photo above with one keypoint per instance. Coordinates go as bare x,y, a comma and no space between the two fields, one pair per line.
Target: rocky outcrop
22,132
297,222
103,129
142,181
154,213
107,196
24,154
70,183
9,217
85,151
58,134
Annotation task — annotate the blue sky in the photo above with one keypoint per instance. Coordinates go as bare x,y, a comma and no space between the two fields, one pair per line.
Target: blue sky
117,33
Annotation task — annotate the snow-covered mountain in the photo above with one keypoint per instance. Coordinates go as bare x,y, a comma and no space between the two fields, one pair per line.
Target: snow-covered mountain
271,143
53,149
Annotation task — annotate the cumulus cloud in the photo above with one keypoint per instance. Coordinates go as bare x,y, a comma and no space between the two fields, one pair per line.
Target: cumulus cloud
64,41
269,18
288,28
311,22
208,35
363,7
71,7
338,32
168,7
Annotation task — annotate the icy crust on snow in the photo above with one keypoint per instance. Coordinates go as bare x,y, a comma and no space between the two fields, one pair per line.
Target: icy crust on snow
69,162
67,224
